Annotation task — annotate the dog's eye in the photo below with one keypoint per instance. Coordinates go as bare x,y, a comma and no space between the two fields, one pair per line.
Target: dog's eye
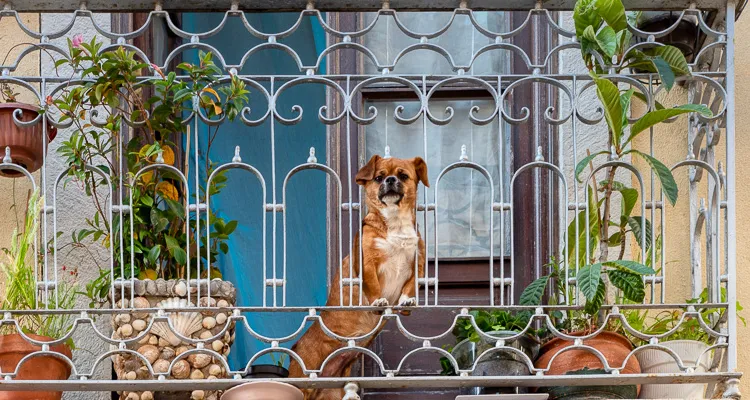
403,177
379,178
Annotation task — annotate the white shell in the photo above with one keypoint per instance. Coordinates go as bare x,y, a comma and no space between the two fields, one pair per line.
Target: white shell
185,323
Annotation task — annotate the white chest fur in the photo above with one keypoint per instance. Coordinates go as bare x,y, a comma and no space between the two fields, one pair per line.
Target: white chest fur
399,250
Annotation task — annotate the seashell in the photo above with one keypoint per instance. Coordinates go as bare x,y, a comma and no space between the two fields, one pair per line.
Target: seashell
139,288
151,353
181,350
123,303
125,330
217,345
167,353
151,287
209,322
221,318
181,369
185,323
161,287
199,360
139,325
205,335
153,340
197,395
207,302
143,373
162,343
132,396
180,289
140,302
222,303
144,339
147,396
161,366
196,374
131,375
214,370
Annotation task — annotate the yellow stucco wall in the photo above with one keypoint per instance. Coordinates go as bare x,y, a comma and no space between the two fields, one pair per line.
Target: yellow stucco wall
15,191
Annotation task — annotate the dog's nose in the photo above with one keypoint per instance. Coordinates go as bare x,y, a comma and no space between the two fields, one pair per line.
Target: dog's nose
391,180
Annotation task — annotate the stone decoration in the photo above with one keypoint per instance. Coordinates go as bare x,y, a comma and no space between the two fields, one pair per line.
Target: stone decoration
160,345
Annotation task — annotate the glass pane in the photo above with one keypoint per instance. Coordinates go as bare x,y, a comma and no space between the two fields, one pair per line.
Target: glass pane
387,40
464,195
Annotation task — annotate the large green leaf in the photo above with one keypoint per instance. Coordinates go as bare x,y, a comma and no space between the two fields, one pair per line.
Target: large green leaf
623,40
606,38
636,227
631,285
577,248
631,267
584,162
613,13
588,279
665,72
532,295
666,179
673,57
640,96
595,303
584,15
625,99
657,116
609,95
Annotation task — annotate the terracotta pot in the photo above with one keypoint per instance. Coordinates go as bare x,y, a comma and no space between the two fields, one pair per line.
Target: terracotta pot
26,143
14,347
613,346
263,390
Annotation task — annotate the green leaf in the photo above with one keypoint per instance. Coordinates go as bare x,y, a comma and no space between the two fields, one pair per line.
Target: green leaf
665,72
623,40
635,225
158,222
630,267
673,57
625,99
630,284
615,240
657,116
613,13
532,295
230,227
640,96
580,233
668,184
171,243
609,95
584,15
180,256
584,162
595,303
588,280
607,41
153,254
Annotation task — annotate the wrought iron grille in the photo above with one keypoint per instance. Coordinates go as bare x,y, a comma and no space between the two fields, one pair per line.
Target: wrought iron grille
712,220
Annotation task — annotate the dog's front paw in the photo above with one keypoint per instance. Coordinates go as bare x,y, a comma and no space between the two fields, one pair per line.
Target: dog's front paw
407,301
382,302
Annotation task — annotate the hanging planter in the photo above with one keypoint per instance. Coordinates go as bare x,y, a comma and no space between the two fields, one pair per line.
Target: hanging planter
25,142
13,348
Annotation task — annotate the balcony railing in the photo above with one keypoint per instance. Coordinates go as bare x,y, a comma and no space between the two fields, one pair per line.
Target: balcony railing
344,116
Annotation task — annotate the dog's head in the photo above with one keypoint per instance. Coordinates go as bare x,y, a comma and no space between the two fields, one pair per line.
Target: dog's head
392,181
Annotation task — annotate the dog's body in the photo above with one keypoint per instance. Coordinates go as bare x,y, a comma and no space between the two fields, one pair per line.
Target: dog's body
390,242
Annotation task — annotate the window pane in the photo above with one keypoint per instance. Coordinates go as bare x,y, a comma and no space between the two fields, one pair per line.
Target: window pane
464,195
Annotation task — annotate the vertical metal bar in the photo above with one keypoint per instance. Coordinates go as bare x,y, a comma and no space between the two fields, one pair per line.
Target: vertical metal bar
426,215
501,184
577,203
197,210
273,194
43,193
731,190
350,200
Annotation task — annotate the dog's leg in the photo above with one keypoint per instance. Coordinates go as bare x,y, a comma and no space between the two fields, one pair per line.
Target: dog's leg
371,287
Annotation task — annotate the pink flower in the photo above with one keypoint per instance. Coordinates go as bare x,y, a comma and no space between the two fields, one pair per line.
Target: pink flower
77,40
49,100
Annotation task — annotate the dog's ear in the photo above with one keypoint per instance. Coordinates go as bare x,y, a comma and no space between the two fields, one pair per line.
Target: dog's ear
421,167
368,171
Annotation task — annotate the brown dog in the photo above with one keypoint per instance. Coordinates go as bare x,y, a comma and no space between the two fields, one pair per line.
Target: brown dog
390,242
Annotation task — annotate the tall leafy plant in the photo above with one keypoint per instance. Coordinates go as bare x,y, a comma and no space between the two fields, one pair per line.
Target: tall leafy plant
602,30
114,93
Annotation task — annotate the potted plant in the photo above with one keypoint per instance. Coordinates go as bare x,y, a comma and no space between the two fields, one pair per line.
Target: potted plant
21,294
471,348
270,371
26,143
688,340
158,231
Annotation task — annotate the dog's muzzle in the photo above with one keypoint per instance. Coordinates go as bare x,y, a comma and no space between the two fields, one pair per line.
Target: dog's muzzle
391,191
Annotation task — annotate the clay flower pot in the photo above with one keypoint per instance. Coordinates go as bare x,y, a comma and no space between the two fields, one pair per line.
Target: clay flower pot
14,347
263,390
26,143
615,349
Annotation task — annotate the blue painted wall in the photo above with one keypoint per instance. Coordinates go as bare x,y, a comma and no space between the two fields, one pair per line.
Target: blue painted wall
242,199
